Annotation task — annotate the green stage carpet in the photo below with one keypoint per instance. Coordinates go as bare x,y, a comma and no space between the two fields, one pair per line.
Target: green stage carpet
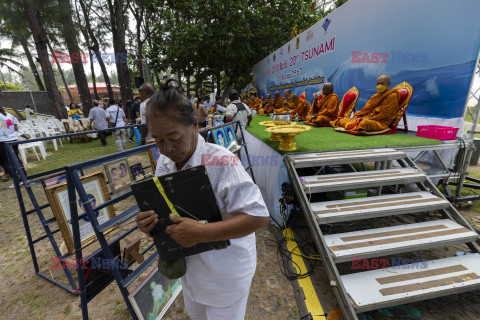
325,139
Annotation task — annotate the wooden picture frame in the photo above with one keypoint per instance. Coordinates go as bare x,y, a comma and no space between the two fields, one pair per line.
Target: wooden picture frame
137,172
61,178
96,188
152,298
118,174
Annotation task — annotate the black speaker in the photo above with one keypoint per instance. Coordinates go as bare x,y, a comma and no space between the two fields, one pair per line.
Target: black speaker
138,82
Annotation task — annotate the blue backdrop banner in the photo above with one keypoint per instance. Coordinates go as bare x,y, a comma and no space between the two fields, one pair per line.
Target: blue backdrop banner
431,44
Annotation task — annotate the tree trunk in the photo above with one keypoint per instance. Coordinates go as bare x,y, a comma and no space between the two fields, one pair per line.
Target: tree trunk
219,89
188,86
33,67
179,76
65,84
94,81
19,115
70,35
95,50
118,30
41,45
139,19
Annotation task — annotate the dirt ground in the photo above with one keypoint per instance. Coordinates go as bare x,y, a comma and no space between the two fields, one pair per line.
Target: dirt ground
24,294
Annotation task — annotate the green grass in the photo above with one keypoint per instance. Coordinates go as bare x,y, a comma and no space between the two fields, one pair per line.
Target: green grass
73,153
325,139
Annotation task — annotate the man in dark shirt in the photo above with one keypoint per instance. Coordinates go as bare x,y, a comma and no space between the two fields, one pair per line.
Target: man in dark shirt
135,113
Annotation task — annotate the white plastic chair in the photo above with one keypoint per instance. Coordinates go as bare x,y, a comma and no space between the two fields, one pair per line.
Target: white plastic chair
22,150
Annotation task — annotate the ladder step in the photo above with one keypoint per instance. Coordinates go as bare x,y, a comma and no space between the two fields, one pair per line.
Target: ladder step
397,239
362,179
417,281
315,159
374,207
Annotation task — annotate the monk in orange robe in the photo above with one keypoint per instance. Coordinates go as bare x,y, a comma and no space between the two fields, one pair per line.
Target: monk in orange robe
279,104
301,107
326,109
267,106
287,94
379,112
256,102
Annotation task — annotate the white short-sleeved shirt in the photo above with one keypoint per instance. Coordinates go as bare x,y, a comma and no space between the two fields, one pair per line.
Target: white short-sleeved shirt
241,115
112,113
220,277
143,109
7,128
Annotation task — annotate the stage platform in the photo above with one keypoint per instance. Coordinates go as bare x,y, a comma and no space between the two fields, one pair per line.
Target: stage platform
270,171
326,139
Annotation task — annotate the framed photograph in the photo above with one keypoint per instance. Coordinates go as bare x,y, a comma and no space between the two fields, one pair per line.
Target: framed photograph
152,298
118,174
137,171
97,192
220,137
230,133
153,154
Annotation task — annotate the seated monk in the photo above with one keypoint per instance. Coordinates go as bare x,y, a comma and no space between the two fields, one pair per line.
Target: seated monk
267,106
287,94
378,113
301,107
256,103
326,109
279,104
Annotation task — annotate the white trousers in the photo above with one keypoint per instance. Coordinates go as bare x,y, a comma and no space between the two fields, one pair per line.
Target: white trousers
197,311
119,136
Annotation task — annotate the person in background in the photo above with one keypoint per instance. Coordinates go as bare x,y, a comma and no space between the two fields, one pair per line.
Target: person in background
146,91
116,115
134,114
237,110
218,107
201,113
8,133
192,99
28,111
208,104
217,282
98,120
75,111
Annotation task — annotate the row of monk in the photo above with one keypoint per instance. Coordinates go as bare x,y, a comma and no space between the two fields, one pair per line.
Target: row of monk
378,114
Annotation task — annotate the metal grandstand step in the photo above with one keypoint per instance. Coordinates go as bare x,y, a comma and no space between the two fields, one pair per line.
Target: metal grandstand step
364,291
345,157
374,207
397,239
383,288
362,179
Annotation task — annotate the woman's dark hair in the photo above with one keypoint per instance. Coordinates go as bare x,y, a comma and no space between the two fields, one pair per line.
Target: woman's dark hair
170,100
74,104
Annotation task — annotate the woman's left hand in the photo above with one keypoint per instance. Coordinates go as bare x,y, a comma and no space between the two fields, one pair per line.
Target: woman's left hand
186,232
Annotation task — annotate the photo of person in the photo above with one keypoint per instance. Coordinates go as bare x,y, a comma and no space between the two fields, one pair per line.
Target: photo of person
220,137
152,298
118,175
97,193
55,180
153,154
230,133
137,171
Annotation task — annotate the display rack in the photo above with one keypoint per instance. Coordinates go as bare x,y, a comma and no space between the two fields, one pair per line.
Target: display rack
74,186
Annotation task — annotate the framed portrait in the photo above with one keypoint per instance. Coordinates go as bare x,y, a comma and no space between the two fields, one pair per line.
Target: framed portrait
118,174
230,134
220,137
97,191
153,154
152,298
137,171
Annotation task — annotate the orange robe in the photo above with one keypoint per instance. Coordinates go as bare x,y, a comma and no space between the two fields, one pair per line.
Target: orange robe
279,105
377,115
257,103
301,108
267,107
325,108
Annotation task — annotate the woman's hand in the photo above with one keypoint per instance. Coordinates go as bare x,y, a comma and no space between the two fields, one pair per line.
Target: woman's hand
186,232
146,221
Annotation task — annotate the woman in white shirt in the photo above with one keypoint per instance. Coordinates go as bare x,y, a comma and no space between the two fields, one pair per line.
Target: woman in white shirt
217,282
8,133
